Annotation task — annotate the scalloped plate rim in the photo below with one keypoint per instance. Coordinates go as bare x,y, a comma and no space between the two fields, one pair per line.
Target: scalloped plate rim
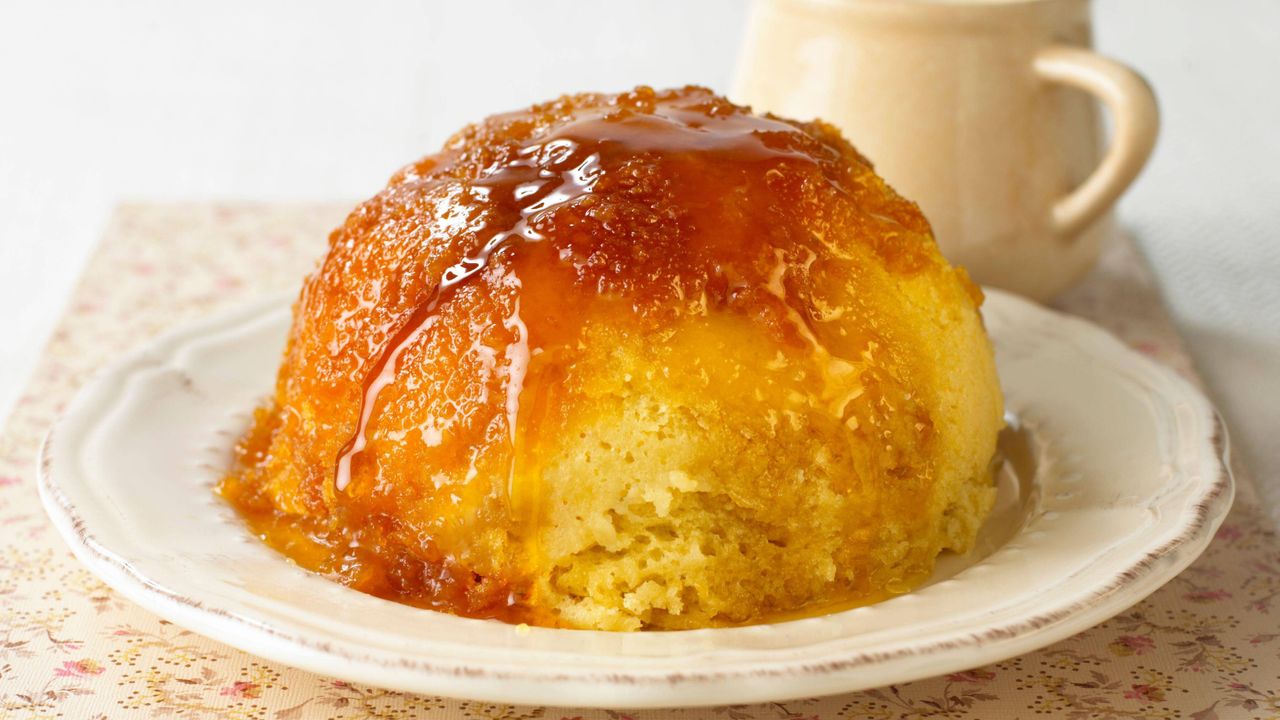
509,680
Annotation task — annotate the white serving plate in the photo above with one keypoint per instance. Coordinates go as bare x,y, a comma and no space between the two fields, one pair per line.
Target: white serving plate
1116,482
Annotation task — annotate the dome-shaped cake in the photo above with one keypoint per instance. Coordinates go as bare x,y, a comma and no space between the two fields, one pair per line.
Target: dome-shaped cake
629,361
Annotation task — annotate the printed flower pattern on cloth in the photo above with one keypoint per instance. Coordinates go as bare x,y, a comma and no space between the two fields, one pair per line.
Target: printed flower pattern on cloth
242,689
79,668
1132,644
1204,647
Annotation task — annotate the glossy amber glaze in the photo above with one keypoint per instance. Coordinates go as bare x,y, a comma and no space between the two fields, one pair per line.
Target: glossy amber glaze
433,347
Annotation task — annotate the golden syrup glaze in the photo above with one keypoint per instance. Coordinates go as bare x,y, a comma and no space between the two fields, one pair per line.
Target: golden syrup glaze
427,347
548,173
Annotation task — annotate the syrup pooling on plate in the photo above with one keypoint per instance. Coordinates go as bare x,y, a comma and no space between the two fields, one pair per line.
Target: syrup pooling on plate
555,170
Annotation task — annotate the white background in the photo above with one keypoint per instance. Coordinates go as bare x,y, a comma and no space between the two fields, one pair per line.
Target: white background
103,101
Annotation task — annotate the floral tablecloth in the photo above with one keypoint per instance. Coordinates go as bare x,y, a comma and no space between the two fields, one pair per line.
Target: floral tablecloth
1205,646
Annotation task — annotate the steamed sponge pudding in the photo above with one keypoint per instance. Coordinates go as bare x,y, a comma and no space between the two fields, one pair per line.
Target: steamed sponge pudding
629,361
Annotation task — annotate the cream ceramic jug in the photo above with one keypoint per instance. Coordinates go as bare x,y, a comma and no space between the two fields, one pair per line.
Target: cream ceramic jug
984,112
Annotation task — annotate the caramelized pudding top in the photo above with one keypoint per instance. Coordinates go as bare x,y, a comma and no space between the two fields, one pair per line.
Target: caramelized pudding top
441,346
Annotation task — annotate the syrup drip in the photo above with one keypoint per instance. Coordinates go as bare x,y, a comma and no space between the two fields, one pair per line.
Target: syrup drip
557,169
535,182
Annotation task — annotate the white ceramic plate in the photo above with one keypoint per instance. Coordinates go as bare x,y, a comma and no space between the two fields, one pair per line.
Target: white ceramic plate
1116,482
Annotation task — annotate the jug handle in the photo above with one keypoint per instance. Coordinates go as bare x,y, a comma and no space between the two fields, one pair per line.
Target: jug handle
1135,114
